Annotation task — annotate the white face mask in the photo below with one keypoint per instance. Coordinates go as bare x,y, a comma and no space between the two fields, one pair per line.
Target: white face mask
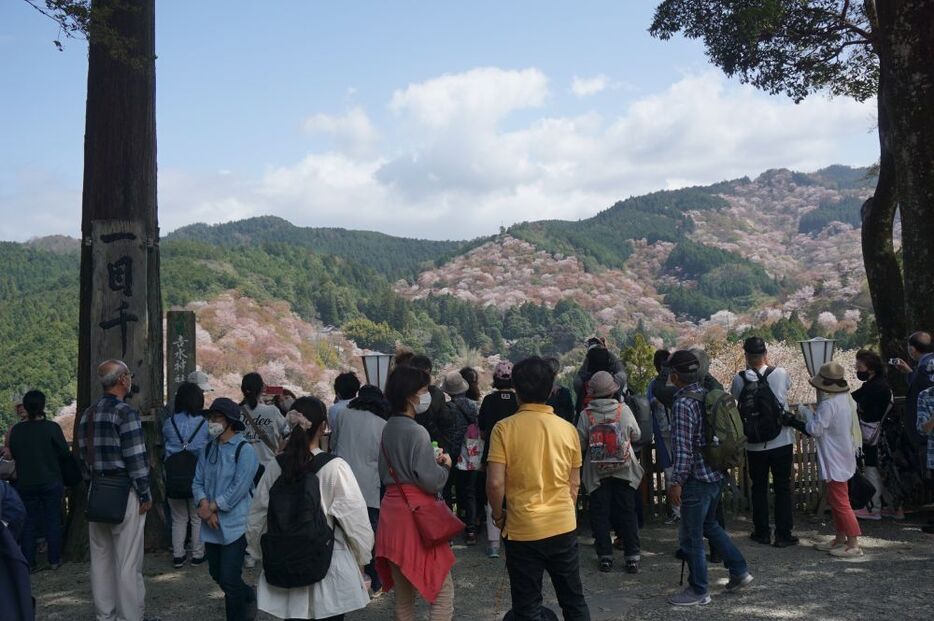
424,402
215,429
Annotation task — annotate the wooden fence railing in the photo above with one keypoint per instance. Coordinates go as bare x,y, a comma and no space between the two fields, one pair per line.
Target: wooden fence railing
806,483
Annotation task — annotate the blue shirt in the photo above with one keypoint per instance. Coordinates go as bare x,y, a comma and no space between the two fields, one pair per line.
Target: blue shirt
186,427
227,481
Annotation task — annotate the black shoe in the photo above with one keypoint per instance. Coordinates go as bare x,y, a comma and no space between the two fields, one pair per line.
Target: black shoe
197,561
763,538
470,538
785,542
632,567
606,565
178,562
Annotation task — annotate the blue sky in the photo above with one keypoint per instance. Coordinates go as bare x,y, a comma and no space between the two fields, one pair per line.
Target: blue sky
429,119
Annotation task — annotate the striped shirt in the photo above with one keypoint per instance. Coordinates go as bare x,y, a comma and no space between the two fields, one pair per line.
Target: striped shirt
925,413
119,443
687,438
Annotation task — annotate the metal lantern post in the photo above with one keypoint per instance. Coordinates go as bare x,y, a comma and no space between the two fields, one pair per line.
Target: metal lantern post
376,366
817,352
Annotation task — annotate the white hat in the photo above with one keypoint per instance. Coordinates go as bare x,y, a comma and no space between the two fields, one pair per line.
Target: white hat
201,379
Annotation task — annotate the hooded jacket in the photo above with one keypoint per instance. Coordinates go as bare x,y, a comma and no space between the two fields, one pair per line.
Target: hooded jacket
605,411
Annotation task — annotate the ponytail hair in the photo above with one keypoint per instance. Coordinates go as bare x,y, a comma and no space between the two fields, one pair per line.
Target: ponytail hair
472,378
252,387
307,416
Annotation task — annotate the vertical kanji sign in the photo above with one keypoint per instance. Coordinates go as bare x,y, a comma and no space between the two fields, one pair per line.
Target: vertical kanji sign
180,350
119,315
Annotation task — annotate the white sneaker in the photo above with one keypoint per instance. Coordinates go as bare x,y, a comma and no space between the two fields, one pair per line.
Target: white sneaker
827,546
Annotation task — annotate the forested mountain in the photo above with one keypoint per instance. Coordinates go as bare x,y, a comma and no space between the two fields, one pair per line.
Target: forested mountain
394,257
779,253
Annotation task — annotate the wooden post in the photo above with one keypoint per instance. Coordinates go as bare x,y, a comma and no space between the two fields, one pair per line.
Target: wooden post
120,312
180,358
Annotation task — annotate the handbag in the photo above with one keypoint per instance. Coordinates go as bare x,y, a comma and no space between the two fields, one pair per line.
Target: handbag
860,490
108,493
435,522
872,431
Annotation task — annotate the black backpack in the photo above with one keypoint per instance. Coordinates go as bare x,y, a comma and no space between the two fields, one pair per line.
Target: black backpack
759,408
298,542
180,467
642,412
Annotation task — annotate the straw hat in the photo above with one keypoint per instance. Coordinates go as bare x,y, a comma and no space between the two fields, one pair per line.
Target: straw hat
830,378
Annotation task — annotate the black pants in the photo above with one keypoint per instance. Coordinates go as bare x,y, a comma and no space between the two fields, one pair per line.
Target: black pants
370,569
526,562
614,504
466,487
225,564
778,462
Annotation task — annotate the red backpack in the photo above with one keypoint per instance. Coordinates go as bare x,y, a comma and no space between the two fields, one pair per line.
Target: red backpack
608,446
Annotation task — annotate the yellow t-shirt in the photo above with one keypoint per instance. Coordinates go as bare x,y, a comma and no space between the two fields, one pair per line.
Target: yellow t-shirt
539,450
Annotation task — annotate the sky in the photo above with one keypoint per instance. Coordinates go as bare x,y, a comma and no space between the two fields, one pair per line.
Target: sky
421,119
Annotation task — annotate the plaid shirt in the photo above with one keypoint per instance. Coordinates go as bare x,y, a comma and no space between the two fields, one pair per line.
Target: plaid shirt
119,443
925,412
687,438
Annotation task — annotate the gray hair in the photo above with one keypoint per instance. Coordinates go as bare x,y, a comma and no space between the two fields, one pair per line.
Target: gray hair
110,372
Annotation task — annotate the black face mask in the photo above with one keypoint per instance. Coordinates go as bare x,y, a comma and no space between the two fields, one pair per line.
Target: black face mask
862,376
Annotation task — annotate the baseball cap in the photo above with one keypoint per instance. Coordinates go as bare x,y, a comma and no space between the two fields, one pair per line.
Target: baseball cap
201,379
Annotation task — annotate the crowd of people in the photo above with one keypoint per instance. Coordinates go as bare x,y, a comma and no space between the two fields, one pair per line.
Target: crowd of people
341,504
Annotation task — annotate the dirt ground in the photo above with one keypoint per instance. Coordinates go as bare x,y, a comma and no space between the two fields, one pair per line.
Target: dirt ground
895,579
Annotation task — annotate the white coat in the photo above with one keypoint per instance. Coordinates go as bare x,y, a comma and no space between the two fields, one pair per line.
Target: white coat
342,590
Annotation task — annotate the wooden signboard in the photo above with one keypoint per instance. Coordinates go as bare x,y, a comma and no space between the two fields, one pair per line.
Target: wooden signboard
119,314
180,350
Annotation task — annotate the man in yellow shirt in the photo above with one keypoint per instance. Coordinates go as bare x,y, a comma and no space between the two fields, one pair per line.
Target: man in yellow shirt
534,464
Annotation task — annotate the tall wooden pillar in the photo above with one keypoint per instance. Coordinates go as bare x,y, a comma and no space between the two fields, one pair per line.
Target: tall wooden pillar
121,306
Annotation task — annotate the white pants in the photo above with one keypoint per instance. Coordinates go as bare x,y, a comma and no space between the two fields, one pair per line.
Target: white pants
184,513
117,566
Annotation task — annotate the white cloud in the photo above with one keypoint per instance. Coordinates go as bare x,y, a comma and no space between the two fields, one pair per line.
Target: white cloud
460,170
480,96
352,132
585,87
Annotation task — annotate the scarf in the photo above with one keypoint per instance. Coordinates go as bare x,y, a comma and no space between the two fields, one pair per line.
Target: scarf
856,432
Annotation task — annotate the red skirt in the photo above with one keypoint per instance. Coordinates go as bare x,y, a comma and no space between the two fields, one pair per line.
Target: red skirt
398,542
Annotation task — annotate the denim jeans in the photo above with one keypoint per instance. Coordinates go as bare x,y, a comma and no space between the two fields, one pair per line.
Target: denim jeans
778,461
225,564
43,515
699,502
614,503
526,562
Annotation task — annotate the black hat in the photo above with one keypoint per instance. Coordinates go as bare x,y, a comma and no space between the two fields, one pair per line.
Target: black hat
684,362
230,411
754,345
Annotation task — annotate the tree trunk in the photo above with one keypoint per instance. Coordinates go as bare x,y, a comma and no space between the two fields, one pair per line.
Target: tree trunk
120,187
882,271
906,50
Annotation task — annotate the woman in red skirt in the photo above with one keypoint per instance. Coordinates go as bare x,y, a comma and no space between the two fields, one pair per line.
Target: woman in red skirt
408,461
